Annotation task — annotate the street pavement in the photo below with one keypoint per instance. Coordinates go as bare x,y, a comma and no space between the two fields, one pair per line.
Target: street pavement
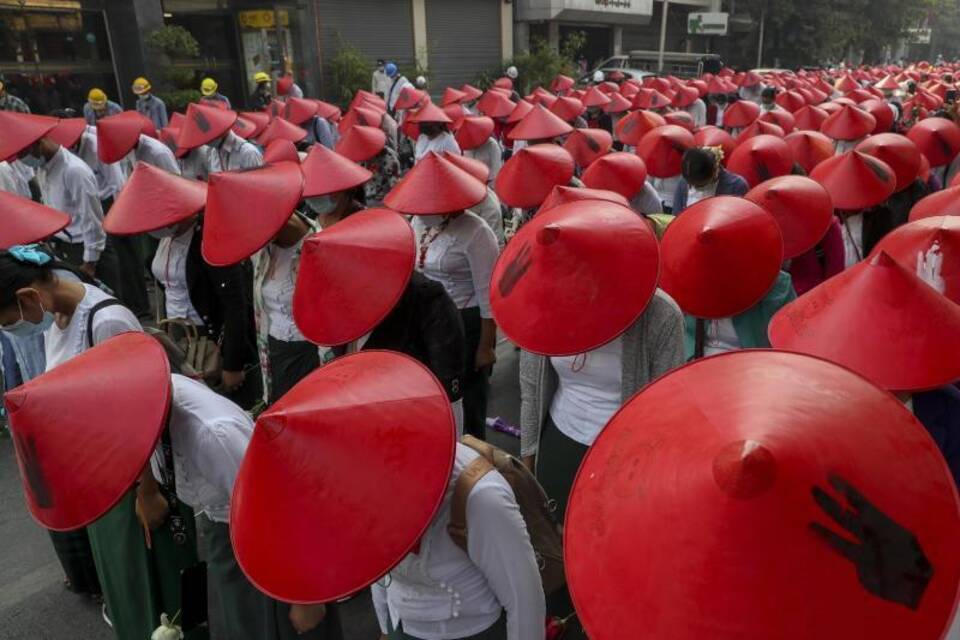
34,605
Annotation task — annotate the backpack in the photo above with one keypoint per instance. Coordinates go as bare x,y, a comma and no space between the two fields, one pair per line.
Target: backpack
535,507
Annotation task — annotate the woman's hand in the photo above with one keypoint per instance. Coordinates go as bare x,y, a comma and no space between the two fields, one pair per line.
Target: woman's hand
232,380
306,617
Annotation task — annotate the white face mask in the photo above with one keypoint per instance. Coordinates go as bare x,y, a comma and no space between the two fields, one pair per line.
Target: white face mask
23,328
33,162
322,205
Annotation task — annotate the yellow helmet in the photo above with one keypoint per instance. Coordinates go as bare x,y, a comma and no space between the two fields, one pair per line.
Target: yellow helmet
97,98
208,87
260,76
141,86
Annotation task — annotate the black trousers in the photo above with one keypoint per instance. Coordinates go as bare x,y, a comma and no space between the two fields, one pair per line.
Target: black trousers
108,271
131,287
290,362
474,384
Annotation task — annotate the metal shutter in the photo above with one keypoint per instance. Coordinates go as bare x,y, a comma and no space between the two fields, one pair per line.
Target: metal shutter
379,28
463,39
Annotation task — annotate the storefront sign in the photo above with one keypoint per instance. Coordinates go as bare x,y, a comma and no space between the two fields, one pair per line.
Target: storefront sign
919,35
263,19
708,24
644,7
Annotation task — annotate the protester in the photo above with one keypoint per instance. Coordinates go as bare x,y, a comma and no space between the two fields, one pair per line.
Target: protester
263,91
211,95
98,106
434,135
148,104
704,176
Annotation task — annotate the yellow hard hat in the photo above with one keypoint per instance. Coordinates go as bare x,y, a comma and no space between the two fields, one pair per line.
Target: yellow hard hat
260,76
141,86
97,98
208,87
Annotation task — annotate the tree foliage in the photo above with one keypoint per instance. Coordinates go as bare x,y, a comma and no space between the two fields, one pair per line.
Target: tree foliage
177,85
350,70
540,64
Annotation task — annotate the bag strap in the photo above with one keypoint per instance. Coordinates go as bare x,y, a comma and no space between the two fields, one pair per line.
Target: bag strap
103,304
700,338
469,477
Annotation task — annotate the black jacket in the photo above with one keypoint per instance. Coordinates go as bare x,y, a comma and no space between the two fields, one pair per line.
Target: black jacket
222,297
425,324
894,213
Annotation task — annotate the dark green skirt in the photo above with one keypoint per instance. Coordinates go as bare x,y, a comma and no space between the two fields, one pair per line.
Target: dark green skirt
139,583
76,558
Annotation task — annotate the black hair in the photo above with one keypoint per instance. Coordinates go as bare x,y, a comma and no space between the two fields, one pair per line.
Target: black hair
699,165
16,274
439,127
768,92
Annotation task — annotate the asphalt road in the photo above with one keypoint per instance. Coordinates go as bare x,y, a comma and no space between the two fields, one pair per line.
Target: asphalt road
34,604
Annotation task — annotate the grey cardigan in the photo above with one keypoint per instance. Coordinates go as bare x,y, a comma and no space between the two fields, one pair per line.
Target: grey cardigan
652,346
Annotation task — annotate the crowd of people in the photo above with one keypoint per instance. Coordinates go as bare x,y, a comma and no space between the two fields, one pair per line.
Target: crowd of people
271,333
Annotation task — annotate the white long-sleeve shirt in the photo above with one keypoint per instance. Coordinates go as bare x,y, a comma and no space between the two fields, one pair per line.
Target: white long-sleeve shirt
236,153
200,162
489,211
491,154
698,111
442,592
70,186
110,177
443,142
154,152
9,179
209,435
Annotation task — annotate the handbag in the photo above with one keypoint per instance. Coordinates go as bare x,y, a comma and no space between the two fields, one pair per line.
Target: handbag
202,353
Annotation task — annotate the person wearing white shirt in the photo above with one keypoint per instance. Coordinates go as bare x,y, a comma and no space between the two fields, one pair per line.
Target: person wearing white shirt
489,153
491,212
152,151
852,228
234,153
200,162
434,137
397,83
10,181
698,111
647,201
380,82
459,251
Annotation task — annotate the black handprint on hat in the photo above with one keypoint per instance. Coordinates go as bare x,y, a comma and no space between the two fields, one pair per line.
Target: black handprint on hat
515,270
36,482
889,560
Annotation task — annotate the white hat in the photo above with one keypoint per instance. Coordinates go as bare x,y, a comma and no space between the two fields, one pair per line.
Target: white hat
598,76
421,82
512,73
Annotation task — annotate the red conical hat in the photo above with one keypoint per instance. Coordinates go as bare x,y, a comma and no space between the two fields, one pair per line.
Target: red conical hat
721,257
84,430
429,113
760,158
888,84
20,130
881,112
276,108
362,116
280,129
372,98
750,79
559,287
845,84
435,186
474,167
562,83
741,114
326,110
474,131
539,124
620,172
567,108
562,194
650,99
117,135
809,118
364,423
759,128
662,150
595,98
494,104
586,145
830,107
941,203
281,151
259,118
685,96
352,277
246,209
802,208
617,104
299,110
860,95
879,319
781,118
849,123
810,148
711,136
68,131
898,152
471,92
937,138
855,180
326,172
920,245
23,221
204,124
244,128
680,119
529,175
359,143
717,485
633,126
519,112
792,101
153,199
452,96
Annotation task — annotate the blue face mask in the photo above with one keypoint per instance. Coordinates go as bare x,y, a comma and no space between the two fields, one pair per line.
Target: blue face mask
33,161
23,328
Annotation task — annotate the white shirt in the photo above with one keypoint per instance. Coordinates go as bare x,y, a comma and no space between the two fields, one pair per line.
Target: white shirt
110,177
442,592
721,337
24,175
68,185
209,435
647,201
720,109
489,153
666,188
277,292
236,153
62,344
200,163
460,257
852,230
380,83
8,178
842,146
443,142
590,391
696,194
394,88
170,269
489,211
698,110
391,128
154,152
